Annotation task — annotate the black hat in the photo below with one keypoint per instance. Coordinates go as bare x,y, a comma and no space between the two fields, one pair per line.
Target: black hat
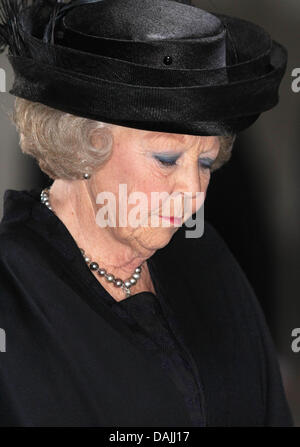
157,65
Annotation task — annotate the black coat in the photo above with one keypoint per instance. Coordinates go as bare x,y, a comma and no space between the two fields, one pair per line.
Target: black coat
70,361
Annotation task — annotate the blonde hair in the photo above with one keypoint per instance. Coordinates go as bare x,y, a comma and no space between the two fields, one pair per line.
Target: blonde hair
61,142
226,145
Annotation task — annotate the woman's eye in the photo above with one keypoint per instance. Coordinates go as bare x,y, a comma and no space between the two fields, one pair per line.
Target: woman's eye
166,161
206,163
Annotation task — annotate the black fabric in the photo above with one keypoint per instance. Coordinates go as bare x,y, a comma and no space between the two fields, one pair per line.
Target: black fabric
71,360
153,65
144,314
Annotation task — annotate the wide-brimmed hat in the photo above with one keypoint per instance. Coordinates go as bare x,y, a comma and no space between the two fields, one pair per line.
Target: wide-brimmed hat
156,65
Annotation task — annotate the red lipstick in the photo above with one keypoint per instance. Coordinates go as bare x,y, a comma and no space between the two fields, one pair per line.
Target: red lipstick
172,219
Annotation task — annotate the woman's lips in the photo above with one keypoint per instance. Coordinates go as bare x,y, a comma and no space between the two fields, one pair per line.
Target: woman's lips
172,219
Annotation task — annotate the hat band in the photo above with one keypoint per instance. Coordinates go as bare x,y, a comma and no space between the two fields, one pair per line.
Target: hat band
203,53
117,70
156,108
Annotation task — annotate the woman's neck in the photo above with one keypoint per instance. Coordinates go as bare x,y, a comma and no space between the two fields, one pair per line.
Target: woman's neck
74,205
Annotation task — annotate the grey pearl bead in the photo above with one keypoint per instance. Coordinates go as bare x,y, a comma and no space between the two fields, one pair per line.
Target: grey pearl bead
82,251
47,203
86,175
94,266
87,259
102,272
127,283
136,275
133,281
110,278
118,282
138,270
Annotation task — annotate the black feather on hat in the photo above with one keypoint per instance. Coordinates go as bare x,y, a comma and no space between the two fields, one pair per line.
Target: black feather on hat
157,65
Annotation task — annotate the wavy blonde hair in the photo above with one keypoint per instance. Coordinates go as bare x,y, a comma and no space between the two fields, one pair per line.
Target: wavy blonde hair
61,142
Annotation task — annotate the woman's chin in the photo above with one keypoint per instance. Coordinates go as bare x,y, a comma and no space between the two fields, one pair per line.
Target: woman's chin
160,237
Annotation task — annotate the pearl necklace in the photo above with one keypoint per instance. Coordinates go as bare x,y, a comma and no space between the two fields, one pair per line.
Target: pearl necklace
94,266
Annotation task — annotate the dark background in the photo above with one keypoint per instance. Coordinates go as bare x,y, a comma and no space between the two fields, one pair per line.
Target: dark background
253,201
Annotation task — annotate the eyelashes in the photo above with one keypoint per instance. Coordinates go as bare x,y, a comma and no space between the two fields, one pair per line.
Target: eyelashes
205,163
166,161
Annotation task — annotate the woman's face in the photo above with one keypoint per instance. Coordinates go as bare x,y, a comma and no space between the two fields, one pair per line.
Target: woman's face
147,162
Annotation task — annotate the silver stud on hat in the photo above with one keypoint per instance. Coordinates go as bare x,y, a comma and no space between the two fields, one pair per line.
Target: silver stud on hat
168,60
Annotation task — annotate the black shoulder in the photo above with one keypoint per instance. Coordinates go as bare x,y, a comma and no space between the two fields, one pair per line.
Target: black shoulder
225,286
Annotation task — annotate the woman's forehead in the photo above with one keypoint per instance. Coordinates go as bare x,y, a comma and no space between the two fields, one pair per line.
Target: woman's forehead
181,139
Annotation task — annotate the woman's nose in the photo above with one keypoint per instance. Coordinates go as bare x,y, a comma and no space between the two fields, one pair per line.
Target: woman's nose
192,186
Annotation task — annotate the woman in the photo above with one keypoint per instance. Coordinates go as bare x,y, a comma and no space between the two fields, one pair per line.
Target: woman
135,324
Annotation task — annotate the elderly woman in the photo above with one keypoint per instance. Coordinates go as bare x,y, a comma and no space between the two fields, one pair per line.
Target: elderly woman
131,324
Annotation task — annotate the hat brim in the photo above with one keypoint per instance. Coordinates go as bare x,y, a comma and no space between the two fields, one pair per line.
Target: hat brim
197,110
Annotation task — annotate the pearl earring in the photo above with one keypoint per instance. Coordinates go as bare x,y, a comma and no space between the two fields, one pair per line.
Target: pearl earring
86,176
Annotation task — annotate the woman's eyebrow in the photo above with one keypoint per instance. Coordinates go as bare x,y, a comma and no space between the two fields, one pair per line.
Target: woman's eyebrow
179,148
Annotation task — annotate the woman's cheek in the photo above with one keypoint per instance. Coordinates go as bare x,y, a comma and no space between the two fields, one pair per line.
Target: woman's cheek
205,179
